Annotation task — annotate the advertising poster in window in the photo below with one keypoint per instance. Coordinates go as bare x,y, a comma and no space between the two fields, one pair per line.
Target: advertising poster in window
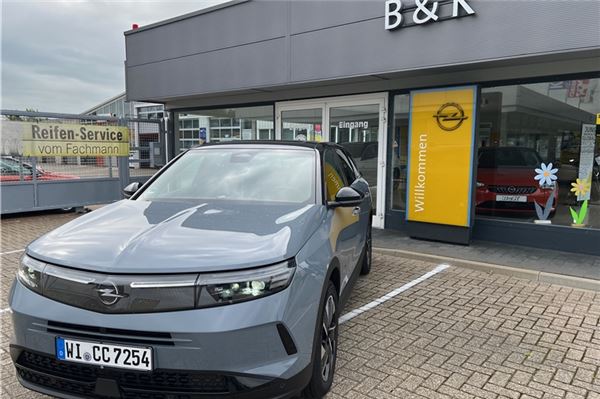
586,157
441,151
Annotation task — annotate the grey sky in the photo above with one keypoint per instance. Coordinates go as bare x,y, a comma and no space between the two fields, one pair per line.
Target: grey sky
67,56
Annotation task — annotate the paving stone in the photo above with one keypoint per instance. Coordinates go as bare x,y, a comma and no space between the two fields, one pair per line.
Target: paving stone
461,334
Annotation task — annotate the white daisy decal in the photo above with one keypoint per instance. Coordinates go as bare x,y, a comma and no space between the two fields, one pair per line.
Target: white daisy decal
546,175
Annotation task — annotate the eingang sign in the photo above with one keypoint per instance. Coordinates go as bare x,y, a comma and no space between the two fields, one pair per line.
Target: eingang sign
58,139
441,155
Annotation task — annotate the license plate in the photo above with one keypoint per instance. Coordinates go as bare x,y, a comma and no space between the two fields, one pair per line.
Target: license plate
511,198
94,353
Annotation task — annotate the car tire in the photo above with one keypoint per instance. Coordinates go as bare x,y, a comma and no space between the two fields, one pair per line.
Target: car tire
365,267
325,355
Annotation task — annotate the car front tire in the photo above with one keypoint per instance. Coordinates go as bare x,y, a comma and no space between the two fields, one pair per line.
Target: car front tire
325,355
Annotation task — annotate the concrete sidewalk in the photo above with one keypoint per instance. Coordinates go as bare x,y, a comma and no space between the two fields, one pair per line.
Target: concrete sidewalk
571,269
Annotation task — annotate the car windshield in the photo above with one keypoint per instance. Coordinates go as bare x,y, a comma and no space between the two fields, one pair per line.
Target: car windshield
267,175
509,158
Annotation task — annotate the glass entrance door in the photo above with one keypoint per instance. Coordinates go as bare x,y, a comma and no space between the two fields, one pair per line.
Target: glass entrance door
357,123
302,124
356,128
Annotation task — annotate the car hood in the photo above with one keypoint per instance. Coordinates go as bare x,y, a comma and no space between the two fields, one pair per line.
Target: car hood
507,177
173,237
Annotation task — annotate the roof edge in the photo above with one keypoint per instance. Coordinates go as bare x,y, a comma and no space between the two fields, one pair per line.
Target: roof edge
103,103
192,14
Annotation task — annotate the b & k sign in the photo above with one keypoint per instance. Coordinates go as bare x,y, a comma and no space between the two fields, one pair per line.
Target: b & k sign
423,11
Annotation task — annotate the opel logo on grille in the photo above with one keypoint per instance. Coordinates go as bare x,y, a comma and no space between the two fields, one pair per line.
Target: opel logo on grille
450,116
512,189
108,293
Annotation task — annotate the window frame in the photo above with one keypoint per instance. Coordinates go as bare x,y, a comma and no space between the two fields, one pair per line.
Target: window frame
482,85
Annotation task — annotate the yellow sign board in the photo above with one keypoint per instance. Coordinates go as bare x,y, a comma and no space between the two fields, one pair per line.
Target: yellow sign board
441,151
597,119
59,139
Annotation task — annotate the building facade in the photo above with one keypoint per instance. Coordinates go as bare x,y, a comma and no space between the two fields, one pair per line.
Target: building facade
522,81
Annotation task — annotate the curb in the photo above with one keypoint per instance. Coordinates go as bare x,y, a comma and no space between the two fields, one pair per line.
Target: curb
527,274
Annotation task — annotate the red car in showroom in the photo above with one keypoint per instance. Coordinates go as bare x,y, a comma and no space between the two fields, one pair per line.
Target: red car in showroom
506,181
11,169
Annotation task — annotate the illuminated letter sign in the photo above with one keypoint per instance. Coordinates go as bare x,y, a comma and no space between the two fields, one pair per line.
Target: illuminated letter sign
441,155
423,11
393,16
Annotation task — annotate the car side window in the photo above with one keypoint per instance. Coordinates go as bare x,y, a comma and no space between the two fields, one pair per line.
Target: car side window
353,163
10,167
346,166
335,177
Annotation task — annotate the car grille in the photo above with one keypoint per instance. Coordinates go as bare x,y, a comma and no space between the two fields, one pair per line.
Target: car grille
112,334
512,190
80,379
506,206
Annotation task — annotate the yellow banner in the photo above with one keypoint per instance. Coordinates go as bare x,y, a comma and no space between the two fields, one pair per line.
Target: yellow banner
441,145
57,139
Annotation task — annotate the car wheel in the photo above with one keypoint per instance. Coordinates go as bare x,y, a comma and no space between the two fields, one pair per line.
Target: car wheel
325,355
365,268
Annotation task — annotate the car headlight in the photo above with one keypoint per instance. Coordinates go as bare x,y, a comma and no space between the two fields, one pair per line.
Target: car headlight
30,273
243,285
106,293
480,184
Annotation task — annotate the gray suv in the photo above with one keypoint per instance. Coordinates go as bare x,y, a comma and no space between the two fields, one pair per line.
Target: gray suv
222,276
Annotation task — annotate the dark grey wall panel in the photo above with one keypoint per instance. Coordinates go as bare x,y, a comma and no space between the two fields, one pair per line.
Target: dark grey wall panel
547,65
16,197
311,15
58,194
500,29
233,26
269,44
563,238
78,193
246,66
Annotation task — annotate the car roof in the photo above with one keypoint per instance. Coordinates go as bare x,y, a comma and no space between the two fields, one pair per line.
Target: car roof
319,146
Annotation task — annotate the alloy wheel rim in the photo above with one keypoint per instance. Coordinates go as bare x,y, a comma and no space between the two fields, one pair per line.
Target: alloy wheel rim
328,338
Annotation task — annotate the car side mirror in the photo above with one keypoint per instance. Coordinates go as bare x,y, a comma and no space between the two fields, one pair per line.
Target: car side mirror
347,196
130,189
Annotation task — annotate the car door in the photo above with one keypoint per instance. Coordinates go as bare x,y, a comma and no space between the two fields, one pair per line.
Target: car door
344,221
359,184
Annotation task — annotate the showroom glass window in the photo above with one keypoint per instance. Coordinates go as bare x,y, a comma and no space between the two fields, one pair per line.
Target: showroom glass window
525,128
399,151
224,124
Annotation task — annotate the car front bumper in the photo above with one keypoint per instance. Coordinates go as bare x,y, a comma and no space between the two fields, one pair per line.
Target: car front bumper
43,373
238,351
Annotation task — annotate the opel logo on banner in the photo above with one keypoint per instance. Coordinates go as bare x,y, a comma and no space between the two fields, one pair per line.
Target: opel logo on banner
108,293
450,116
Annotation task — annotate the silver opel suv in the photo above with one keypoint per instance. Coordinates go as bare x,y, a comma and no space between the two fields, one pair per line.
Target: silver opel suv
222,276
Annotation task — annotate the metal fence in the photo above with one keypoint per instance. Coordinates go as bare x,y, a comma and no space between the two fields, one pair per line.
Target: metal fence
29,183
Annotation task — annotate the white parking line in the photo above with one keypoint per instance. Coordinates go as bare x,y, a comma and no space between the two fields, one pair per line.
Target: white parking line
12,252
353,313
